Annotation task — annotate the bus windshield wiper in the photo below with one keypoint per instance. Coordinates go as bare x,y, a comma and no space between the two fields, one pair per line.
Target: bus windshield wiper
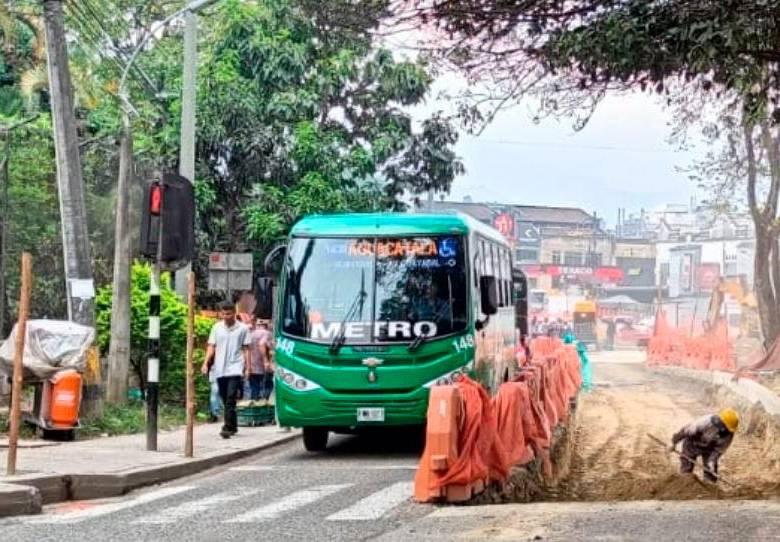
420,339
357,305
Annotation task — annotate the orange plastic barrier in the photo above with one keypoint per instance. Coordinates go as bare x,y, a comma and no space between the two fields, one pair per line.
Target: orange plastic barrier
445,407
481,456
473,439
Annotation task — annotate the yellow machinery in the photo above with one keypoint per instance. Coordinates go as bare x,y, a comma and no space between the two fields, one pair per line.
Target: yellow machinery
584,317
736,288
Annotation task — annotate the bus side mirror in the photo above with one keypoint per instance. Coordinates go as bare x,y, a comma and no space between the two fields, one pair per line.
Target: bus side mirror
488,293
264,288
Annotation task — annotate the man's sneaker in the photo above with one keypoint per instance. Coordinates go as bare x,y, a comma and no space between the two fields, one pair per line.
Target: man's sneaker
225,434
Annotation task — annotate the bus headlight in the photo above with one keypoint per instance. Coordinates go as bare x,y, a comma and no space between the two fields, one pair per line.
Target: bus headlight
295,381
450,378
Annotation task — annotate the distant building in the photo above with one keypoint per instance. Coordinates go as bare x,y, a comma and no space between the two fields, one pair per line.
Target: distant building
556,246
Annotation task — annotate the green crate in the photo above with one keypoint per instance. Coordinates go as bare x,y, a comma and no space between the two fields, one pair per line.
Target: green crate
251,415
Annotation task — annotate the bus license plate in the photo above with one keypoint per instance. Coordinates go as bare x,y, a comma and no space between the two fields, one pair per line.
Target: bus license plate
371,414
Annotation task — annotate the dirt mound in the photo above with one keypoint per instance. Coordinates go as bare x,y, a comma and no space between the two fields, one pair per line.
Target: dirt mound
613,459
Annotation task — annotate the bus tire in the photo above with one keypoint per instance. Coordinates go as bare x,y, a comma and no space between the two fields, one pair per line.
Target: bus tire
315,439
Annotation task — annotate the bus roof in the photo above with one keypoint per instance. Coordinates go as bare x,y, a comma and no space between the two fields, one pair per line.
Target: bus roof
370,224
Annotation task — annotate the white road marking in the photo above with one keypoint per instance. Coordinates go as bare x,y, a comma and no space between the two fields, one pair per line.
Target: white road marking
299,499
377,504
267,468
192,508
109,508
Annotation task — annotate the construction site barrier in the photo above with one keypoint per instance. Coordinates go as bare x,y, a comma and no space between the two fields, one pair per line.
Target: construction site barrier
712,350
473,440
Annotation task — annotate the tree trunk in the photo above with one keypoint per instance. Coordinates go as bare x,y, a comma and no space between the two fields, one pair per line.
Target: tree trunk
70,184
767,302
119,351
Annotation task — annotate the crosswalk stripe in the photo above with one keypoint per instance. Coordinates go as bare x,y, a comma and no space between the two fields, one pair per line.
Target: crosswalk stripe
192,508
299,499
268,468
375,505
104,509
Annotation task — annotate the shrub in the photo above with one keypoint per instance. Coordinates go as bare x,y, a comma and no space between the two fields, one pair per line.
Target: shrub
173,334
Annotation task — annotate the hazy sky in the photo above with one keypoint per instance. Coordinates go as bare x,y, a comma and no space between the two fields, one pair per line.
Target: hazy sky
620,159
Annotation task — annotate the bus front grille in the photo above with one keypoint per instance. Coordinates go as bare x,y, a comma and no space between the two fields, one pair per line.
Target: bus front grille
399,406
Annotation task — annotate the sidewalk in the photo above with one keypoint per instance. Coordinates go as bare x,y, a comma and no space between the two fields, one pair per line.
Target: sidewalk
111,466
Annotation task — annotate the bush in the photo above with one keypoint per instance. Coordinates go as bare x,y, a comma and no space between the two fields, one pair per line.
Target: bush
173,334
130,418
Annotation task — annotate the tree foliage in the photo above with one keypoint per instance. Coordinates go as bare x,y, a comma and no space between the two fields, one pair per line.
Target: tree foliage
571,54
298,118
173,334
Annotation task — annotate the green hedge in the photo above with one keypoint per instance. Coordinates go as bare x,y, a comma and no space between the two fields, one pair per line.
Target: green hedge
173,334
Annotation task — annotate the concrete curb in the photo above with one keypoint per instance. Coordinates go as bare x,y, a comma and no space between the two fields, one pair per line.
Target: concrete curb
748,389
49,488
17,500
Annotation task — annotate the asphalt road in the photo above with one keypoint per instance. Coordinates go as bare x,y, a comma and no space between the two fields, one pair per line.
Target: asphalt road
360,489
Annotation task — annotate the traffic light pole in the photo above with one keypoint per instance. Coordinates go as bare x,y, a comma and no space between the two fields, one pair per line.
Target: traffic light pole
153,344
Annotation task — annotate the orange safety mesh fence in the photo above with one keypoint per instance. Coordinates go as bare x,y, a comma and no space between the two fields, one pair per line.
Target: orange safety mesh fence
685,346
494,434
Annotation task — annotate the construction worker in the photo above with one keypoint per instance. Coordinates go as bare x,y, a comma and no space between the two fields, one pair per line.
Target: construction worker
708,437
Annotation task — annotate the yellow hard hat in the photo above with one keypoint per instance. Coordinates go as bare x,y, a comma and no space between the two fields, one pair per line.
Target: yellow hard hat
730,419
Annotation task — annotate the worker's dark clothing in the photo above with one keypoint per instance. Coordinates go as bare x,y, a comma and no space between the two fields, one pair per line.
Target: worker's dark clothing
707,437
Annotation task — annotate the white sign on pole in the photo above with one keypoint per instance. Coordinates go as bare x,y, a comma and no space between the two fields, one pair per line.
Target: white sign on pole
230,271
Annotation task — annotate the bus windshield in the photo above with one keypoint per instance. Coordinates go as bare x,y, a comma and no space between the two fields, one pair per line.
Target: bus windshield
375,289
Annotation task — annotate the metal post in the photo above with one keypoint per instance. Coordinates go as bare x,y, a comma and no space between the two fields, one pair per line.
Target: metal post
153,344
188,105
153,359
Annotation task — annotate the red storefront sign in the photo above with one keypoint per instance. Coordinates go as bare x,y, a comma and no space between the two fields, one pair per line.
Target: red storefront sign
505,223
609,274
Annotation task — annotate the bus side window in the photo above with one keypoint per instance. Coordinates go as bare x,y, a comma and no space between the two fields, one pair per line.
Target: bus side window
508,276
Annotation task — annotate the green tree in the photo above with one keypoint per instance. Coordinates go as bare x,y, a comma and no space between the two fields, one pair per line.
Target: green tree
571,54
298,118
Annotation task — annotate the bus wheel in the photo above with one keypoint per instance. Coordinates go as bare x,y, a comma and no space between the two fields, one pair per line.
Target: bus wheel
315,439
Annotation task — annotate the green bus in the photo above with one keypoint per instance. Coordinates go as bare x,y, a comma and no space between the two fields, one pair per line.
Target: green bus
375,309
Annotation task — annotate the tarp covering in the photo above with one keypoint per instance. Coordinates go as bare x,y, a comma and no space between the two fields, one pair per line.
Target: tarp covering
50,346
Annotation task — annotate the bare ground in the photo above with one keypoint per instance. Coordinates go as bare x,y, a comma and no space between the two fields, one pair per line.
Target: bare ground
613,458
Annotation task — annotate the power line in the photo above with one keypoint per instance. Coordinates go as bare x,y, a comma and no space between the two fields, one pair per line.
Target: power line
555,144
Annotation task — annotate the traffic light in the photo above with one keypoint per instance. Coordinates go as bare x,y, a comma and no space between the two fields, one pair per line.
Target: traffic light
169,205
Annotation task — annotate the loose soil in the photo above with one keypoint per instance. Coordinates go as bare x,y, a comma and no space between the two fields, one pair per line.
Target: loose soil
613,459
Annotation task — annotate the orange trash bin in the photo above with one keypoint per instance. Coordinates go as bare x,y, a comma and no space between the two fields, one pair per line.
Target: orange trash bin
65,399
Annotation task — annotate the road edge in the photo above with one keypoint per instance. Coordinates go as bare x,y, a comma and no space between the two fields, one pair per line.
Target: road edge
746,388
19,494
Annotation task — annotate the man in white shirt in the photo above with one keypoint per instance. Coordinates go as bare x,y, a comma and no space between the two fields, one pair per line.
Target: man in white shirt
228,355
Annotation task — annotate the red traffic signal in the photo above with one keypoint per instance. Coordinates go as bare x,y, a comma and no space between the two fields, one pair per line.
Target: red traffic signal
168,221
155,199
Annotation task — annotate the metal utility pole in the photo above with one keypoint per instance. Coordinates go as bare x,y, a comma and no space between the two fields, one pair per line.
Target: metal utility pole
119,349
188,107
70,184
